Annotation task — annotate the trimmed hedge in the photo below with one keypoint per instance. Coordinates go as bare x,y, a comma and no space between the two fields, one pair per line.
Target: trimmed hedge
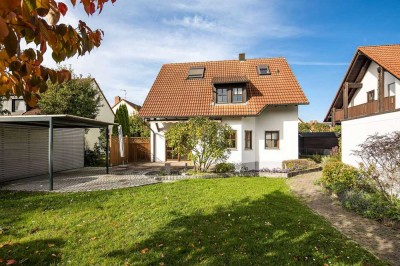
299,164
225,168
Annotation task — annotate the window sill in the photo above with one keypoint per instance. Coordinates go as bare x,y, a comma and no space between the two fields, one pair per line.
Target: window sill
272,149
248,149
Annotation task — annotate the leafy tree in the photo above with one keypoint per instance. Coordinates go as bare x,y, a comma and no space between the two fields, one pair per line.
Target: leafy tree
36,21
137,127
314,126
205,141
304,127
76,97
122,118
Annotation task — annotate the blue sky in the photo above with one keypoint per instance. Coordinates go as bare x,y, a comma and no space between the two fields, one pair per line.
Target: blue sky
317,37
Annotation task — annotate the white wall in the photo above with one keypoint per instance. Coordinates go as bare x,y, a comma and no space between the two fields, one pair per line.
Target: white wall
7,105
397,89
131,110
105,114
370,82
283,119
354,132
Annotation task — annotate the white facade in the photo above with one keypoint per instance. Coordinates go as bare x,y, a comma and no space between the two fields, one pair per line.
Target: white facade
131,109
356,131
105,114
370,83
282,118
15,105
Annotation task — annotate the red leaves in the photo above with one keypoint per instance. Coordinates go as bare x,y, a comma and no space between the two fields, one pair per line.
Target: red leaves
62,8
11,262
3,29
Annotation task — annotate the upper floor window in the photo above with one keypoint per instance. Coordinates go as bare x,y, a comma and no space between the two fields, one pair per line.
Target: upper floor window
237,95
222,95
263,70
391,90
371,96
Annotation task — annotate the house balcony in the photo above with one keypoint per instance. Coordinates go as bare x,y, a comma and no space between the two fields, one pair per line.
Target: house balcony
389,104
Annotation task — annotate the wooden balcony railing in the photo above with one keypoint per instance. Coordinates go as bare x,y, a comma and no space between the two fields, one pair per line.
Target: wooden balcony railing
389,104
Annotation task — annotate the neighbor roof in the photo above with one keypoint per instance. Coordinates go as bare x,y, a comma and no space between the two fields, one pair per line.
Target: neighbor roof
174,95
387,56
133,105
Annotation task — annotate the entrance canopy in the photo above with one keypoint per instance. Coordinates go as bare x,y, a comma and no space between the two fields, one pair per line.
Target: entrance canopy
56,121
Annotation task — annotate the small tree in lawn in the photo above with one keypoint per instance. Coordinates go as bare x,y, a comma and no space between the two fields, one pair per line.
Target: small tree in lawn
380,155
204,141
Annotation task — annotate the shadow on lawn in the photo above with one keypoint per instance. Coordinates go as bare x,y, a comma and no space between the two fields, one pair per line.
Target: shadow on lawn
36,252
275,230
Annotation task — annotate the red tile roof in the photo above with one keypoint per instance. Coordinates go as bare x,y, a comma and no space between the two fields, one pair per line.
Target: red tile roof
387,56
173,95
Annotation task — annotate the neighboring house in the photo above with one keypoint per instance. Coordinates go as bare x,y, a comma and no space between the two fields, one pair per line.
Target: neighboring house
257,98
368,100
133,109
105,114
17,106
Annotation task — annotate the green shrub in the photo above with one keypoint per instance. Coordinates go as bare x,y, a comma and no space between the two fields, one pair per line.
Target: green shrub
316,158
338,177
299,164
224,168
370,205
327,159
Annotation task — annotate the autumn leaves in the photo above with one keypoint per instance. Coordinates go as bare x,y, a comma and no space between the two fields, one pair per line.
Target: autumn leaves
36,22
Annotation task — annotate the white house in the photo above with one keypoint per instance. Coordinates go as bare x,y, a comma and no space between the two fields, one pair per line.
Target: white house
133,109
258,98
367,101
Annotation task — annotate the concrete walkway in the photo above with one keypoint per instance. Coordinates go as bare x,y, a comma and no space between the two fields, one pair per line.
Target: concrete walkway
380,240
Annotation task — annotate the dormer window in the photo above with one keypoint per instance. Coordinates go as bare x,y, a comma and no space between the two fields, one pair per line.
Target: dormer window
263,70
196,73
237,95
222,95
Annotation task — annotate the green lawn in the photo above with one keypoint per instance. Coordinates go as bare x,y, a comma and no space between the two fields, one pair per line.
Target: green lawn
232,221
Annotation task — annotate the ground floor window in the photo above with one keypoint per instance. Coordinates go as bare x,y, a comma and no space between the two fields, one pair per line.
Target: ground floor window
232,139
271,139
248,139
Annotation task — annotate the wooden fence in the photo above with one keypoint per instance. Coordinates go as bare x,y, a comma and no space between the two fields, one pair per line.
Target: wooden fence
135,150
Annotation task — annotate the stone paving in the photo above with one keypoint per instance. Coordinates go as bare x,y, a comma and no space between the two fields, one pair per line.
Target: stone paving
380,240
85,179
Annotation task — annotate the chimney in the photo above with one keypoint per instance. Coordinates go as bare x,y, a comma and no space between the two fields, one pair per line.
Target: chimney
117,99
242,57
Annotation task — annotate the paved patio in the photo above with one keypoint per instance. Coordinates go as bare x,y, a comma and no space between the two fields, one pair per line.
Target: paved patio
92,178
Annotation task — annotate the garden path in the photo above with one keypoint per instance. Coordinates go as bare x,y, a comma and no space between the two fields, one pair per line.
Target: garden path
379,239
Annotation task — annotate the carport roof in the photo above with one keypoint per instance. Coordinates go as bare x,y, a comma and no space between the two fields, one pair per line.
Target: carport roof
59,121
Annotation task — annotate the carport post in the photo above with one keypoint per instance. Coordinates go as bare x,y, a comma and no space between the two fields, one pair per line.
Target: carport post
51,154
107,148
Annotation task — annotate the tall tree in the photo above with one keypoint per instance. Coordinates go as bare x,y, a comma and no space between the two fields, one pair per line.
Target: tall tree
76,97
137,127
36,21
122,118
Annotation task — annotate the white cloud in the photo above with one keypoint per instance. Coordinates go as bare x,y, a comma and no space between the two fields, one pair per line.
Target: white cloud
142,35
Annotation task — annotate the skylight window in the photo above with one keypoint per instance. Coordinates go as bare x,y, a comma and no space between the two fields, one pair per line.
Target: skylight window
196,73
263,70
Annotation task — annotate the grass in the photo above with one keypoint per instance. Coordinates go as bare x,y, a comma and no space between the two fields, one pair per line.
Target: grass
233,221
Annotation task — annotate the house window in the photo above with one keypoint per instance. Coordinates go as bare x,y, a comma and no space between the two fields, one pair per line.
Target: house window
248,141
271,139
232,139
18,105
196,72
237,95
371,96
391,91
222,95
263,70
